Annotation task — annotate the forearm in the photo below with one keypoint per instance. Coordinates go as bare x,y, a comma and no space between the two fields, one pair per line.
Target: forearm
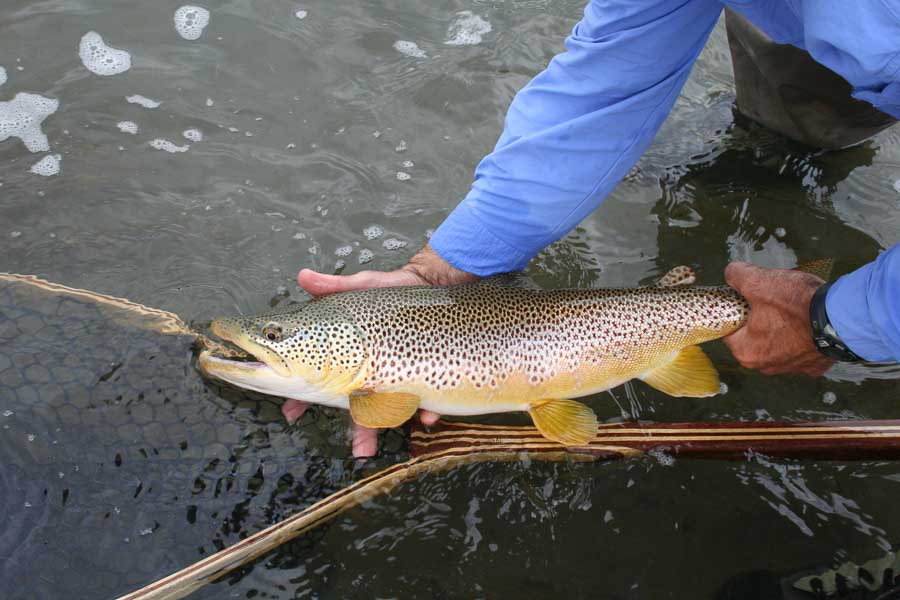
864,308
575,131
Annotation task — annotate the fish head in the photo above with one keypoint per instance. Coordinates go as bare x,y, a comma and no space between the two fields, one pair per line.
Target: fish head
312,351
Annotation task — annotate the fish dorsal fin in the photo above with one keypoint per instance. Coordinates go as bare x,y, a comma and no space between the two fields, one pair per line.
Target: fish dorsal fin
821,267
568,422
382,409
680,275
516,279
690,373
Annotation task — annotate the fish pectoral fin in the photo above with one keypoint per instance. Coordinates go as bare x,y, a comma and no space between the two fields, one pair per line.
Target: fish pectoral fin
681,275
689,374
382,409
568,422
821,267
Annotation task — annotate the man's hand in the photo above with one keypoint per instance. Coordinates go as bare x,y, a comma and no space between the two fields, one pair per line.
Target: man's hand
425,268
777,337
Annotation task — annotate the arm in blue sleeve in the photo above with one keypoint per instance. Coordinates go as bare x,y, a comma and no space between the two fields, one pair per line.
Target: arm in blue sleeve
864,308
575,130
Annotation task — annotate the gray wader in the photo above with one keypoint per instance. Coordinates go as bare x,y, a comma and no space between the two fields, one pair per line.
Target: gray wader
785,89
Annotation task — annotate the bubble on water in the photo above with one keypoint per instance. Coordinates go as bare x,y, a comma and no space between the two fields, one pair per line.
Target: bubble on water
190,21
428,233
15,234
401,147
146,531
100,59
339,264
233,129
22,116
408,164
410,49
343,251
2,75
299,236
143,101
365,255
31,437
608,516
167,146
194,135
394,244
209,102
301,14
829,398
314,249
723,388
780,232
8,413
47,166
466,29
376,134
897,186
401,176
373,232
127,127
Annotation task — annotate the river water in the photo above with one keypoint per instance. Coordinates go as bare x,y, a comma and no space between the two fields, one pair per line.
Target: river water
336,136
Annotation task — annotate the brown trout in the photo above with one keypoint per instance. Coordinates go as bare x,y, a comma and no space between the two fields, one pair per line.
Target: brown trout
498,345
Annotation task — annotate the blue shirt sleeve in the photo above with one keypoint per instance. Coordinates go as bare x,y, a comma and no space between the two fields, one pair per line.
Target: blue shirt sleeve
575,130
864,308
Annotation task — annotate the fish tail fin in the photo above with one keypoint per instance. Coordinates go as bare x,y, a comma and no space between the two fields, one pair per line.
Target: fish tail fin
690,373
821,267
568,422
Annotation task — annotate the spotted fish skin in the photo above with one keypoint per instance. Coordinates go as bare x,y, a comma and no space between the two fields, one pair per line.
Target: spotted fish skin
491,346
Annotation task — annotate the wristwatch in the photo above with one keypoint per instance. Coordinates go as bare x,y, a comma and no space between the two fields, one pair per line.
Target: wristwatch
824,335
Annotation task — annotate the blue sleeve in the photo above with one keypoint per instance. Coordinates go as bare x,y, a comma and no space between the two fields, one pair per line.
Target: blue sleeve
864,308
575,130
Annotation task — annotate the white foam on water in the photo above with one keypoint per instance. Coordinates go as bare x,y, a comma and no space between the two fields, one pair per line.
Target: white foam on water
142,101
780,232
401,176
167,146
467,29
190,21
128,127
343,251
339,264
394,244
365,255
897,186
408,164
301,14
100,59
314,249
47,166
410,49
22,116
209,102
2,75
829,398
193,134
299,236
372,232
401,147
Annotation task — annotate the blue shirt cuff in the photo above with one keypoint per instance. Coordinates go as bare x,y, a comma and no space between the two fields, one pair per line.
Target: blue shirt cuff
464,242
850,313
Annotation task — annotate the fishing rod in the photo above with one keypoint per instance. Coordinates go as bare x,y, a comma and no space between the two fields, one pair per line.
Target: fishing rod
448,444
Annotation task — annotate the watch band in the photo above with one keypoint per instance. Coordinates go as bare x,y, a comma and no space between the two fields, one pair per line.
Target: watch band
824,335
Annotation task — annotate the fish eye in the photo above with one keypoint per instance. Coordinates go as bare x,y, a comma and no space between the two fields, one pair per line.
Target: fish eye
272,332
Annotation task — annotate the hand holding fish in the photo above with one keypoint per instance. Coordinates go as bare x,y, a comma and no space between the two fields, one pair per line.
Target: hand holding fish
425,268
777,337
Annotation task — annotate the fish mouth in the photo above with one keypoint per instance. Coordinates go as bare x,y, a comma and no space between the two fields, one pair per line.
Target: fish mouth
249,361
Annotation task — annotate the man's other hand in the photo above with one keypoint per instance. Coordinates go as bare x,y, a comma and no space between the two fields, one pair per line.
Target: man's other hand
777,337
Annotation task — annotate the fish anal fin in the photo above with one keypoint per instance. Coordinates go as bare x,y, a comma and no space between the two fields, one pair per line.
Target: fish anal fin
568,422
690,373
382,409
681,275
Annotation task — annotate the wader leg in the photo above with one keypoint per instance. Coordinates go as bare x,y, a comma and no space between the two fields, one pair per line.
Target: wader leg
785,89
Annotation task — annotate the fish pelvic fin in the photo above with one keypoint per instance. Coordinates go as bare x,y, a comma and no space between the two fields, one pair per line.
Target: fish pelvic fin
568,422
690,373
382,409
681,275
